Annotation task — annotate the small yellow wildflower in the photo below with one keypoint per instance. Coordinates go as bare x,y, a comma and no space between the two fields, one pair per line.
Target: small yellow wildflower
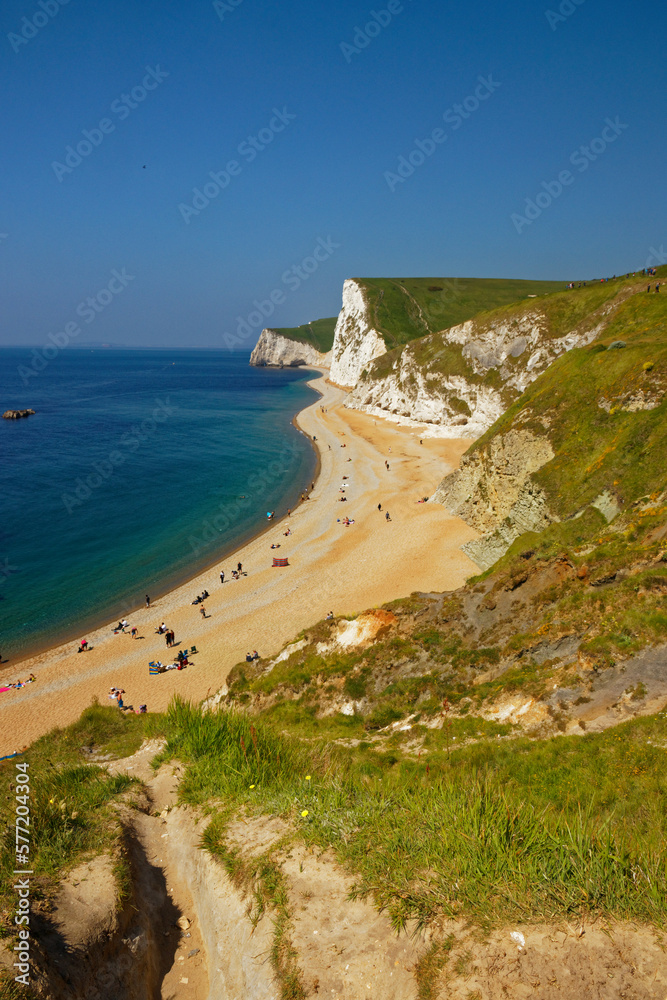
252,786
305,812
307,777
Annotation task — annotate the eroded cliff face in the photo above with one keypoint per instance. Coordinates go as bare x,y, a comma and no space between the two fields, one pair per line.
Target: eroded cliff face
456,406
494,361
276,351
356,342
493,492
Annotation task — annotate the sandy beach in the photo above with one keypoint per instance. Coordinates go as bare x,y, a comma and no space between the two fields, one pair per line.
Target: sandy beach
331,568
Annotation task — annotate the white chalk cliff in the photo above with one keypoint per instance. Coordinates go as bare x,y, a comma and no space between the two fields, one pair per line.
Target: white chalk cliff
356,342
275,351
462,379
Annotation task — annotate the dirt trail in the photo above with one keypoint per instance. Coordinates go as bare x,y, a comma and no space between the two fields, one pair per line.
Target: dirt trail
186,977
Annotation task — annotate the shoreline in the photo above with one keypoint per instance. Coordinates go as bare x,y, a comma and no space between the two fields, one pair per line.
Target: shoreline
171,583
331,567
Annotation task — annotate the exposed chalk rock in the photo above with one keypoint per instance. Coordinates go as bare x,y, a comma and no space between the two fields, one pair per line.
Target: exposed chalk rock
275,351
356,342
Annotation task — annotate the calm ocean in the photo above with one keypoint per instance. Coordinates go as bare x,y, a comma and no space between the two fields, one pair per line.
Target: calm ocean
128,478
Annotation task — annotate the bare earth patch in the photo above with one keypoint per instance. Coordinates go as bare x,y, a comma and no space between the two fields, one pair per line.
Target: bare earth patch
607,962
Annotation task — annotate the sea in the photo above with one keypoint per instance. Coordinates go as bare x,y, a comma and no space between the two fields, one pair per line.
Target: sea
138,470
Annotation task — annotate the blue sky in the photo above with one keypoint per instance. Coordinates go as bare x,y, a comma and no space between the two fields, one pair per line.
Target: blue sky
219,72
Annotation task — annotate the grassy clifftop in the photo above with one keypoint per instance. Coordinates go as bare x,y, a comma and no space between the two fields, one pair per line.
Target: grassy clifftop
319,334
404,309
555,311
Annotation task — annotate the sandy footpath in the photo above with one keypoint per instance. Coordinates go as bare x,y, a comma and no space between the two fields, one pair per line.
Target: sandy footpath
332,568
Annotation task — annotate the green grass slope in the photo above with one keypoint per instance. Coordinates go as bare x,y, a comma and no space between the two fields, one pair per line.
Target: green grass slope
603,410
319,334
404,309
559,313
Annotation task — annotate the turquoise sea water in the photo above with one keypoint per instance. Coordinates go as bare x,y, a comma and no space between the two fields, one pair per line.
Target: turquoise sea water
129,478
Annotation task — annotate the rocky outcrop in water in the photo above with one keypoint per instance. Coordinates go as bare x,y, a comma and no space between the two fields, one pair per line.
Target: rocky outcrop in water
16,414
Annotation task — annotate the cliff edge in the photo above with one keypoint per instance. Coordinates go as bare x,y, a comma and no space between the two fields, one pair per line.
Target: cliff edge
275,350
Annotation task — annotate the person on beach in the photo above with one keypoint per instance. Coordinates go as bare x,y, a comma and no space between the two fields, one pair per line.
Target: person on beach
83,646
222,576
387,464
239,567
133,631
148,601
379,506
203,611
387,518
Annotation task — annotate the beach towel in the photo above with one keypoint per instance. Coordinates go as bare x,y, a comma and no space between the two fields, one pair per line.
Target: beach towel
4,689
280,562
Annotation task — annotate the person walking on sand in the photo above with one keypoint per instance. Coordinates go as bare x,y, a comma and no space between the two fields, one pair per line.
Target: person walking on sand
239,567
379,506
148,601
203,611
222,576
387,518
133,631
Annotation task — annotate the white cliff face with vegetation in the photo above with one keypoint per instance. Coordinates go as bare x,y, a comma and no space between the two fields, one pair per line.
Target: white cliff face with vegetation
462,379
356,342
457,407
276,351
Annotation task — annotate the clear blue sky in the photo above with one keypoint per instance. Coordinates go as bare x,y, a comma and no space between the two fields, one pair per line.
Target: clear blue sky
323,176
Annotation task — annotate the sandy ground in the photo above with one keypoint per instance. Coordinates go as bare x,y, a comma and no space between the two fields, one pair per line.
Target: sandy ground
332,568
